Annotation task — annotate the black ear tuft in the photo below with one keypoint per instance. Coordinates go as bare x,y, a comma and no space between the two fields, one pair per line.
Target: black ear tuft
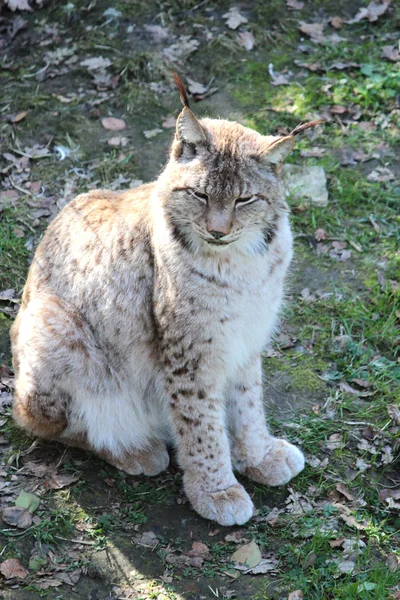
305,126
182,90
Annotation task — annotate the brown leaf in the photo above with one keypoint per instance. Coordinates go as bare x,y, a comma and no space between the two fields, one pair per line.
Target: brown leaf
371,12
335,441
199,549
385,494
246,39
351,521
342,489
169,122
17,516
348,389
69,577
12,569
313,30
336,22
393,562
113,124
390,53
310,562
248,555
362,383
294,4
337,109
320,235
39,469
316,34
369,433
56,482
118,140
336,543
234,18
313,152
49,582
20,116
296,595
381,175
394,413
18,5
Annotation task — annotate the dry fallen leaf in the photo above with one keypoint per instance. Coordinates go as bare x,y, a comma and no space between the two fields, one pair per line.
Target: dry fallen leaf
391,53
17,516
316,34
266,565
98,62
313,30
348,389
294,4
342,489
234,18
150,133
386,493
248,556
351,521
195,87
12,568
346,566
371,12
336,22
381,174
18,5
320,235
246,39
69,577
199,549
56,482
394,413
113,124
169,122
312,152
336,543
296,595
335,441
20,116
118,140
148,539
393,562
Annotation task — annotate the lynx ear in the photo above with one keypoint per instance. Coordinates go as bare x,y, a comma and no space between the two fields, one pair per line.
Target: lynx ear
276,152
189,129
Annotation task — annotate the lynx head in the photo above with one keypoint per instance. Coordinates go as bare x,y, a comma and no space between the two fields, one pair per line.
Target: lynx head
221,186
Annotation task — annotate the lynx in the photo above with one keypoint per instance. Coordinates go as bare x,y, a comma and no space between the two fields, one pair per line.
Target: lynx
145,313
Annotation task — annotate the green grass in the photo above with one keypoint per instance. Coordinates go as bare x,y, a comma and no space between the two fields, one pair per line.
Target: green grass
13,253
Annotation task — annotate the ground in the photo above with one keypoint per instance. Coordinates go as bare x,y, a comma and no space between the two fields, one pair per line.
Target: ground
332,376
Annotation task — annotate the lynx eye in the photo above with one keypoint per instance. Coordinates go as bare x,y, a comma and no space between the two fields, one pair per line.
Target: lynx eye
200,196
245,200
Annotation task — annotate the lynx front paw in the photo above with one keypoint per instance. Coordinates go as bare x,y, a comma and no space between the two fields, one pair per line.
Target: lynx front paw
232,506
279,465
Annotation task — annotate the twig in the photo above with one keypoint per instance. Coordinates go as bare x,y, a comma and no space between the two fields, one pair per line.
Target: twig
20,189
76,541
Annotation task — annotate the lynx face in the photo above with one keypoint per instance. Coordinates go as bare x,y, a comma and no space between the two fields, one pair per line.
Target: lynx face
224,186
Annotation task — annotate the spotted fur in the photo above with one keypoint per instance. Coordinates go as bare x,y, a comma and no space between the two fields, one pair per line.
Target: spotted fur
145,314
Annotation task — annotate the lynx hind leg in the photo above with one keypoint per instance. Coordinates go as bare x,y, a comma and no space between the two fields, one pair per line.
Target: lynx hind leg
151,461
40,414
49,341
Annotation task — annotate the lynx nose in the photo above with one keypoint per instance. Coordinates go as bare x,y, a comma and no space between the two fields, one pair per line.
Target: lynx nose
217,234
